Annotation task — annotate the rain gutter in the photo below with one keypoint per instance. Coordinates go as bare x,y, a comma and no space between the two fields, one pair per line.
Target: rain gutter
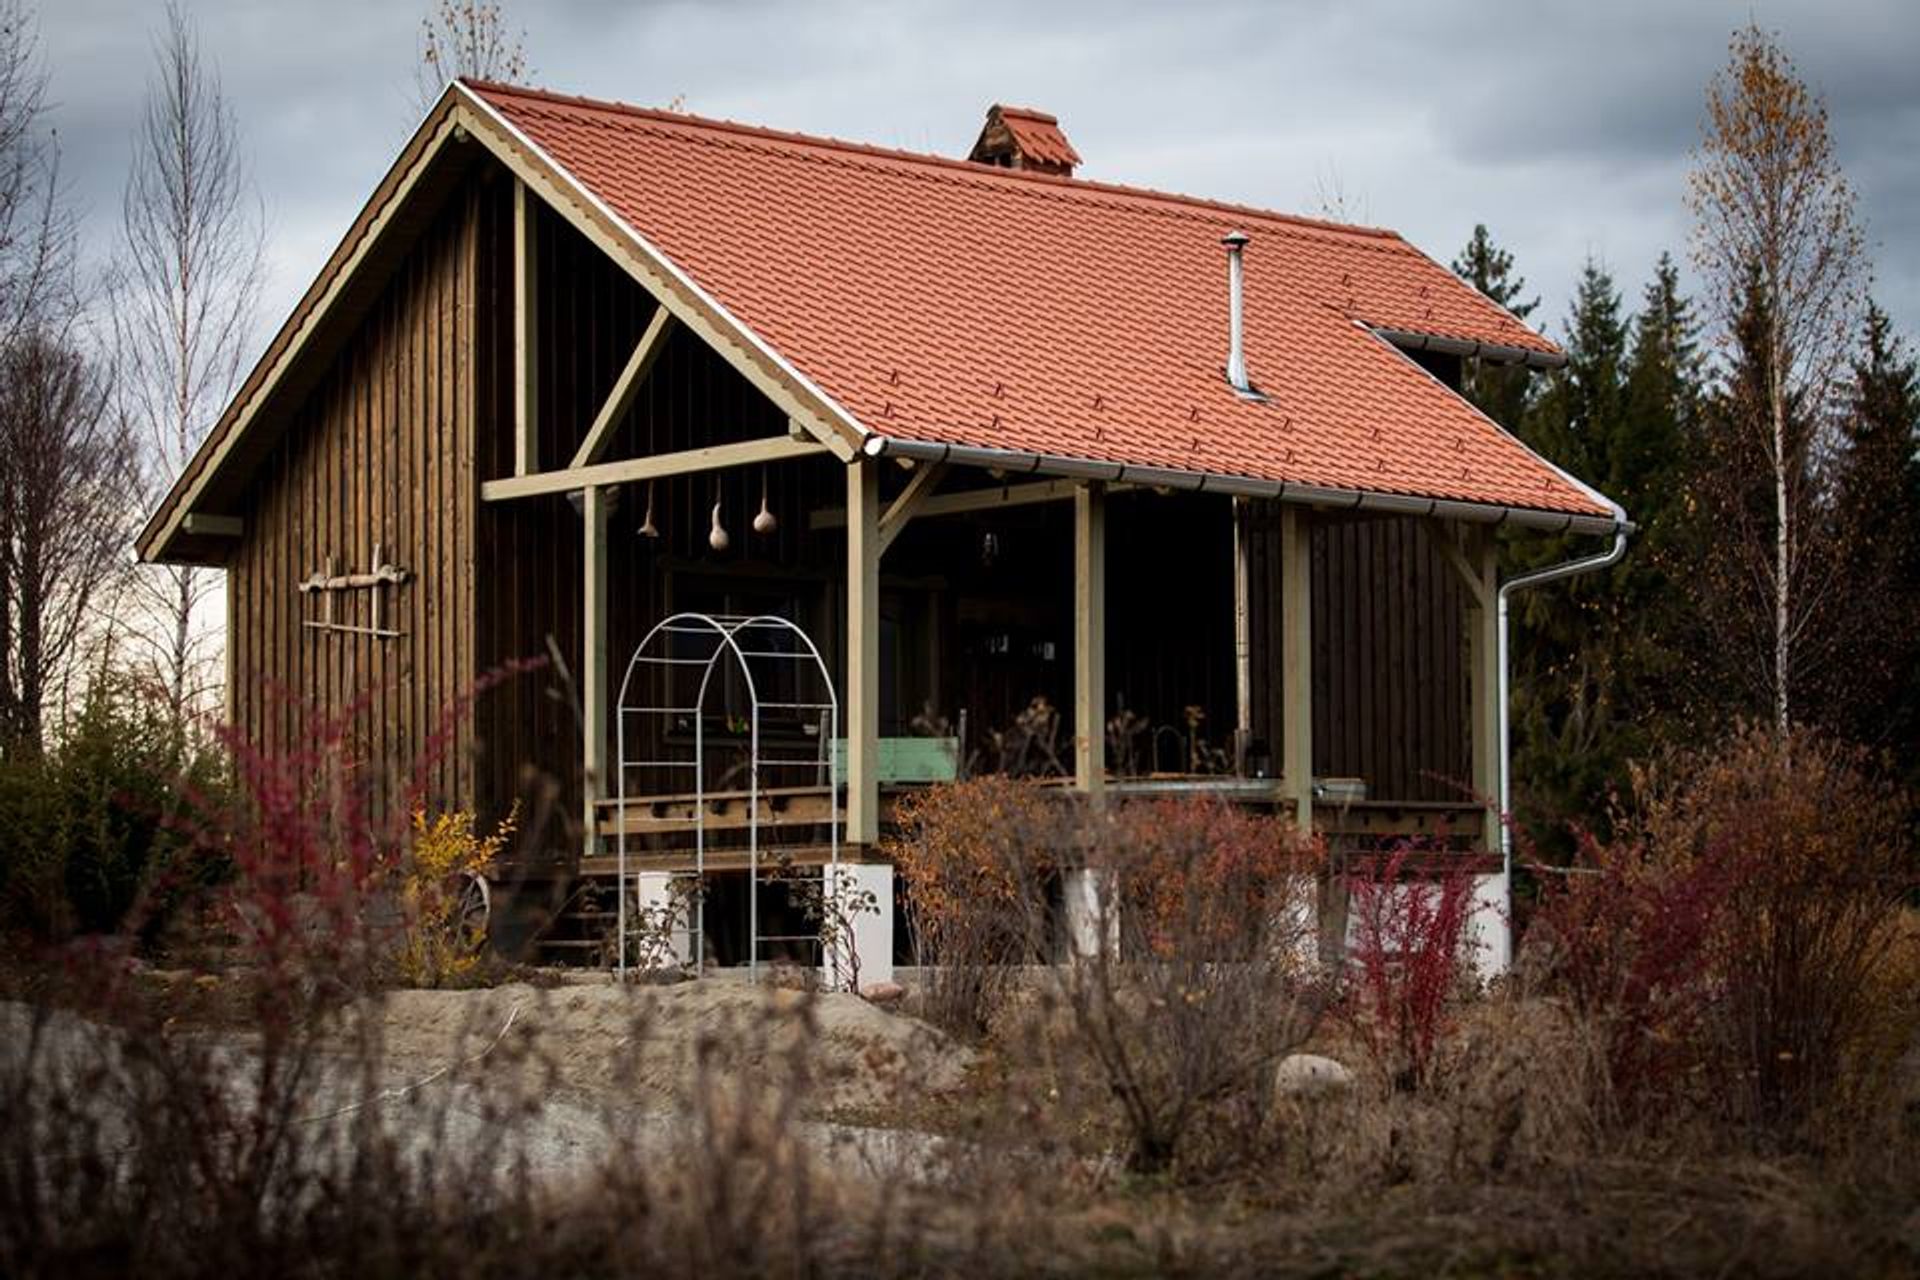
1020,462
1498,353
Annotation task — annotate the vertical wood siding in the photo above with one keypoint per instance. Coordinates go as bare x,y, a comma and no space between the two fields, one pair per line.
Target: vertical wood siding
378,453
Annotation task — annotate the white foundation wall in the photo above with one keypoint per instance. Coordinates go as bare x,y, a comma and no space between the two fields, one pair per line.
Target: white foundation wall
653,890
872,931
1489,928
1486,938
1081,890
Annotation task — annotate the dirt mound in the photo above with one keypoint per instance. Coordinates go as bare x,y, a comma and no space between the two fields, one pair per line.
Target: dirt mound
653,1046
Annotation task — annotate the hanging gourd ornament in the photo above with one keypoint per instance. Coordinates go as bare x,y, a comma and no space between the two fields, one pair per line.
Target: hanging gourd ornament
717,537
764,522
647,527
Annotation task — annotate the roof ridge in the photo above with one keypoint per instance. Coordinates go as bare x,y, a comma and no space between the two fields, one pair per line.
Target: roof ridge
967,168
1027,113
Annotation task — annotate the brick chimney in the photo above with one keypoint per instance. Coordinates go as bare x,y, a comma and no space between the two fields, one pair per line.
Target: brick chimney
1021,138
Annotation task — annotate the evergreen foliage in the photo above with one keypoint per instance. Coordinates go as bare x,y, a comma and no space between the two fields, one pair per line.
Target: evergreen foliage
1596,675
1502,392
1872,691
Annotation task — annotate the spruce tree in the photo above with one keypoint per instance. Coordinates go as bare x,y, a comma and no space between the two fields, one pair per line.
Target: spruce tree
1564,647
1663,403
1502,392
1646,471
1871,693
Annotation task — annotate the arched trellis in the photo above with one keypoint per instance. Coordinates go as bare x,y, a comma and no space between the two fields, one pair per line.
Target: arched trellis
682,653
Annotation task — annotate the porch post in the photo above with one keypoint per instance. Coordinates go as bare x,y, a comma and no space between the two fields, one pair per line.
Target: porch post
863,654
1090,639
1296,661
526,386
1091,922
595,508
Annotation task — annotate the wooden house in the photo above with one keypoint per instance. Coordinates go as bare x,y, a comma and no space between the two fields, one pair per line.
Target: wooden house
1160,491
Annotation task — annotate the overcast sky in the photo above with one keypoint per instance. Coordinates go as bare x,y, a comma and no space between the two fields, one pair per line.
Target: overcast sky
1564,126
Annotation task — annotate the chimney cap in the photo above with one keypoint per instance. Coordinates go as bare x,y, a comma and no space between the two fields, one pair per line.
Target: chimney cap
1023,138
1236,240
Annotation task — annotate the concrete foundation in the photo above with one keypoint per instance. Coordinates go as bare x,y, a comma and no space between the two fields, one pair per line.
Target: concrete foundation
665,930
1489,928
1083,891
872,930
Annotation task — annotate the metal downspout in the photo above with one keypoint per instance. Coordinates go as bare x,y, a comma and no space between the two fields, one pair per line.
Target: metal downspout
1539,577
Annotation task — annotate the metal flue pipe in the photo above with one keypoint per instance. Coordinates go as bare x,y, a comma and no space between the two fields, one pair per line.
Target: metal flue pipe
1236,243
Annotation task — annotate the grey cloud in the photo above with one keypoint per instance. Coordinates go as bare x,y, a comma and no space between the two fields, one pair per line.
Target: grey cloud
1563,125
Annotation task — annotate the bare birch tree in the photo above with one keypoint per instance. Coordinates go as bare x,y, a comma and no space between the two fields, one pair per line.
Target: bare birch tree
1771,207
63,500
36,230
65,516
467,38
193,252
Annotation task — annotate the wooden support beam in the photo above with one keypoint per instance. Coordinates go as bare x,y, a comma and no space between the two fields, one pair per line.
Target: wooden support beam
1090,638
526,332
658,466
211,526
625,387
1483,681
596,508
563,194
1464,566
908,504
863,654
1296,660
953,504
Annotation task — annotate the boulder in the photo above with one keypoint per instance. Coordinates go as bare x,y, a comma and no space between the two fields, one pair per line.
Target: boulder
1307,1075
883,993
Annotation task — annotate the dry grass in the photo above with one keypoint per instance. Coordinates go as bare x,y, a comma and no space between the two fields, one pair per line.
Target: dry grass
146,1140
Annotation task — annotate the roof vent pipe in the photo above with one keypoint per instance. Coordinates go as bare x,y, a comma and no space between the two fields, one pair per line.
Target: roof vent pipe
1236,241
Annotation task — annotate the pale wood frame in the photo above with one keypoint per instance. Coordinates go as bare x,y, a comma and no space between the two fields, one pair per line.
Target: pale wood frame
1296,661
461,117
657,466
526,332
909,502
1473,554
596,510
994,499
625,387
863,654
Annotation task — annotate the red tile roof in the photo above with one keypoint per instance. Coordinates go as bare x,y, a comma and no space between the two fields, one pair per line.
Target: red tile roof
944,301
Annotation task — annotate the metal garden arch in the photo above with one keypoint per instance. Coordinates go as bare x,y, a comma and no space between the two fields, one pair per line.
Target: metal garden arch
682,654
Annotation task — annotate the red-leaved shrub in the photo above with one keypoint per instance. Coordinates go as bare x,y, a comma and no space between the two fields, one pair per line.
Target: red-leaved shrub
1625,938
1410,909
1736,930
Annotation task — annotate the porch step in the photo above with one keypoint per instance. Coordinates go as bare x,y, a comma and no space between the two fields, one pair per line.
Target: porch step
607,866
722,811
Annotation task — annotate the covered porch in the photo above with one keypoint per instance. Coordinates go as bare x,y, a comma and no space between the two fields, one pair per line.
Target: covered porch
1116,630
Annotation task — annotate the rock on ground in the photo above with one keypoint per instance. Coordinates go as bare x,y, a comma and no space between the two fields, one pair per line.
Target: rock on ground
1306,1075
653,1046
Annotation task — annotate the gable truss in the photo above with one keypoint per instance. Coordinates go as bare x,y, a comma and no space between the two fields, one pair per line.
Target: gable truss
461,118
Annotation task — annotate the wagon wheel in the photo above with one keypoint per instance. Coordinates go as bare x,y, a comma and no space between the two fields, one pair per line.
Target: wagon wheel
474,910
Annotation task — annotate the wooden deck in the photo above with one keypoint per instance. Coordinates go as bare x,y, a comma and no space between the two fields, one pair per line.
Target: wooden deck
785,809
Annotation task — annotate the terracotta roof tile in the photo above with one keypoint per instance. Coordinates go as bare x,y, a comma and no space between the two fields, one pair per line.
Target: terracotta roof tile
939,300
